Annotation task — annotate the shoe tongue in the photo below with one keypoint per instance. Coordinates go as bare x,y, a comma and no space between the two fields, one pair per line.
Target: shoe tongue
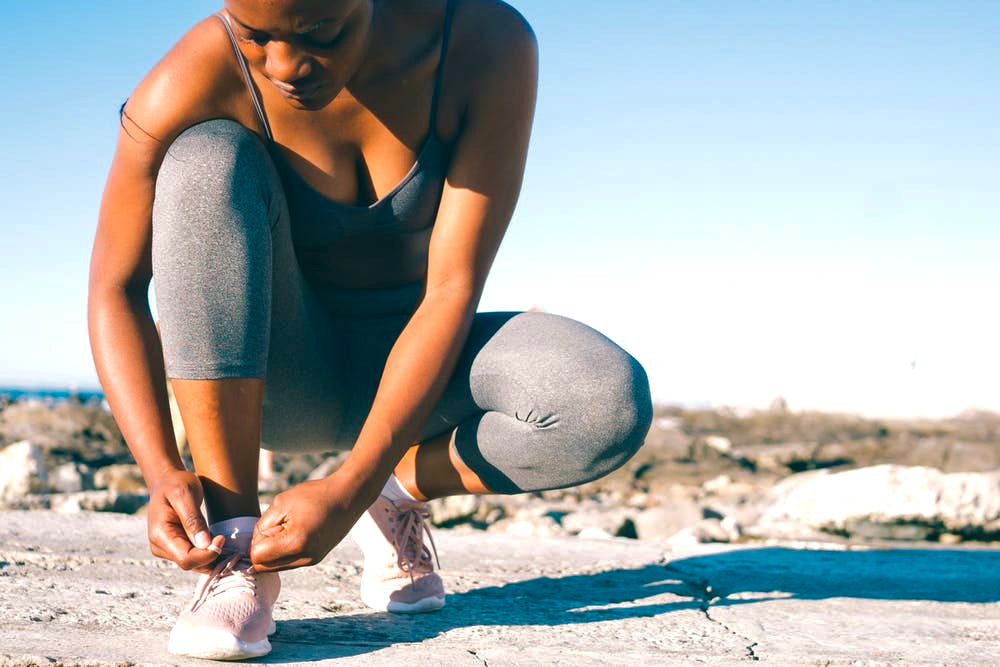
238,541
406,505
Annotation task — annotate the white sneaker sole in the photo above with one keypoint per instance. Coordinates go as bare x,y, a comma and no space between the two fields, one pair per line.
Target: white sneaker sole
418,607
384,603
215,644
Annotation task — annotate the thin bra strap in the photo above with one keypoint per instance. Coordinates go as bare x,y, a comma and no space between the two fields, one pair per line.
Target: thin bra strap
246,75
449,13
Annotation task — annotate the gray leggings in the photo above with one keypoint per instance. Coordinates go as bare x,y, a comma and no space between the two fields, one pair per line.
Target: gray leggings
539,401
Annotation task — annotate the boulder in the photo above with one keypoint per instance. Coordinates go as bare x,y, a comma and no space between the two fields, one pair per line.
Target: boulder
453,510
665,521
528,526
614,522
67,431
22,470
708,530
70,477
884,502
99,501
778,458
120,478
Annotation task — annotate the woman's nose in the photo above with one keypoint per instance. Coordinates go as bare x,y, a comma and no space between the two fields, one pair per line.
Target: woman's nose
285,63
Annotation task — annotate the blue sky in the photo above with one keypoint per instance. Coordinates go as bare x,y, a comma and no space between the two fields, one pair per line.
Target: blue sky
755,199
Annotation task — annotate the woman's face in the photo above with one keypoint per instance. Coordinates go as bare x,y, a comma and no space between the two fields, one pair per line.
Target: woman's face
308,49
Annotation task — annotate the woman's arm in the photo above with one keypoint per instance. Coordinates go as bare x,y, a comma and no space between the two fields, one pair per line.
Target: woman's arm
123,338
482,187
483,184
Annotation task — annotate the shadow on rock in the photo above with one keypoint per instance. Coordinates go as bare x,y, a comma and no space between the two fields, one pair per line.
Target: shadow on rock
745,576
588,598
757,575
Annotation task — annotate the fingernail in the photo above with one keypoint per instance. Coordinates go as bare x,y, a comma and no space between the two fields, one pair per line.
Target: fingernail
214,547
202,539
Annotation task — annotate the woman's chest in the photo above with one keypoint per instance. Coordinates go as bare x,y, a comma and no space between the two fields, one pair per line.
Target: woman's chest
362,200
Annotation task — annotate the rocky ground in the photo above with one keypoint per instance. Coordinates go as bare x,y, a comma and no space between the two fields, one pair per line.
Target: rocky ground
702,476
790,538
83,590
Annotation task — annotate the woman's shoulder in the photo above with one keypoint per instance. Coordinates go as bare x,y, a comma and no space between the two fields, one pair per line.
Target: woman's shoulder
490,27
491,45
199,78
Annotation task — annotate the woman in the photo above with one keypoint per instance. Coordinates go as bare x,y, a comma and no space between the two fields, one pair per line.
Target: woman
318,189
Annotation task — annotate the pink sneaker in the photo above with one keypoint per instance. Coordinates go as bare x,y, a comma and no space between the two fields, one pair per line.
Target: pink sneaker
399,572
230,616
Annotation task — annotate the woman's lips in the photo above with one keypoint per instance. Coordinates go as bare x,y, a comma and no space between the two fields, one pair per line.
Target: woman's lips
298,92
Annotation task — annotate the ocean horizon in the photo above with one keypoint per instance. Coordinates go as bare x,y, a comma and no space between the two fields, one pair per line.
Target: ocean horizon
52,393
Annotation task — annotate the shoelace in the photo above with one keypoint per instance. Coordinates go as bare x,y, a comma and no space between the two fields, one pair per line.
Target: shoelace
226,577
408,537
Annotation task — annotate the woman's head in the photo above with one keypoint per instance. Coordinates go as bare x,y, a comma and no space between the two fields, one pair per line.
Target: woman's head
308,49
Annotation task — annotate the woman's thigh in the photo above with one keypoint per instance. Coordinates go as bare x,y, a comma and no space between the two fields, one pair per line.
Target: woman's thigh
305,396
231,299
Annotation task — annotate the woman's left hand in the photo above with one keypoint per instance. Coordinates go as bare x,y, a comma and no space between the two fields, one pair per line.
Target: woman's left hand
304,523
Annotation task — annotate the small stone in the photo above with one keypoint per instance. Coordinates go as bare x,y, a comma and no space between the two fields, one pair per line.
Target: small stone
594,533
732,527
613,522
717,484
713,530
719,443
639,500
683,538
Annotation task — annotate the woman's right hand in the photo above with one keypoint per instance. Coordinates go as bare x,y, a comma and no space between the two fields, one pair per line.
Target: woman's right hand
177,529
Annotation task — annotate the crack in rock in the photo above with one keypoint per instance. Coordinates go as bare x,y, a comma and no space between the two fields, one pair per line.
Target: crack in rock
703,592
477,656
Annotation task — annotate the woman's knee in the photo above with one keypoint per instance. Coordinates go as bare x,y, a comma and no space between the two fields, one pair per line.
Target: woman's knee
215,173
606,407
586,399
617,418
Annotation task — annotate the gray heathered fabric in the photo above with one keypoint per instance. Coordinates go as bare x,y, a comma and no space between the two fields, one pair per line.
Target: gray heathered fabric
540,401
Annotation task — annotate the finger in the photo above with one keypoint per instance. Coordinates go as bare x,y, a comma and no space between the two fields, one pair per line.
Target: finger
217,543
180,551
288,564
191,519
273,518
273,554
272,551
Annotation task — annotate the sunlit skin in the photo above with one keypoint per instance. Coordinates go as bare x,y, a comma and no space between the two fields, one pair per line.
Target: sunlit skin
347,86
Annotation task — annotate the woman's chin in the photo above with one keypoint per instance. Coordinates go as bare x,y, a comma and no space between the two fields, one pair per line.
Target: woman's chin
310,102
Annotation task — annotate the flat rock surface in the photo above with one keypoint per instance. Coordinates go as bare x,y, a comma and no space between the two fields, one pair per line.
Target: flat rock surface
83,589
